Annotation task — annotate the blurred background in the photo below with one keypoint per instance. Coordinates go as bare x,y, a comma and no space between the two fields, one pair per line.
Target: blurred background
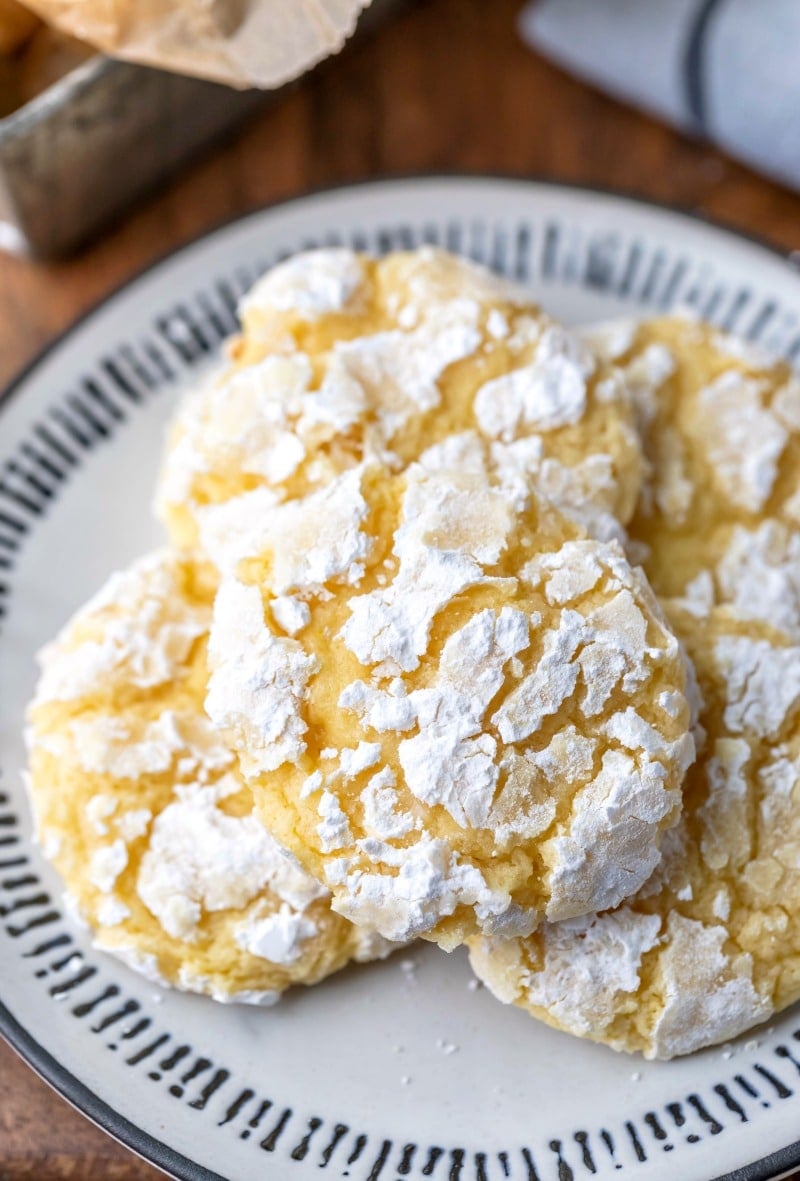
105,166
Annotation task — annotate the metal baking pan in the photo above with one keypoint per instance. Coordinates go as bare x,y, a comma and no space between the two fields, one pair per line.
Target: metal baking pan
80,153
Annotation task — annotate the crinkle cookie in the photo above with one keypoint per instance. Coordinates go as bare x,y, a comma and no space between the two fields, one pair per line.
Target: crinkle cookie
710,946
345,358
139,804
457,717
720,511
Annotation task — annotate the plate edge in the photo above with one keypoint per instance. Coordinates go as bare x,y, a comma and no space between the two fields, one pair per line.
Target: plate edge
67,1085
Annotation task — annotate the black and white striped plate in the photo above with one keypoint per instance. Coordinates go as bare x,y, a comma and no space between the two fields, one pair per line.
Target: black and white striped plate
401,1070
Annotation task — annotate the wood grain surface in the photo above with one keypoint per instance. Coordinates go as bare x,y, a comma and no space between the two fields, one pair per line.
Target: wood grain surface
446,86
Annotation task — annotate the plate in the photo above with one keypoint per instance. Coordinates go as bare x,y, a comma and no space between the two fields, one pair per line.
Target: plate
399,1070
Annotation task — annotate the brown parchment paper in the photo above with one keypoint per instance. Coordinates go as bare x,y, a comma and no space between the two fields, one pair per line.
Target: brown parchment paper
244,43
16,25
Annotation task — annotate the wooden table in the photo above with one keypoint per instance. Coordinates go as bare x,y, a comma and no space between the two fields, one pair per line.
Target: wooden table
446,86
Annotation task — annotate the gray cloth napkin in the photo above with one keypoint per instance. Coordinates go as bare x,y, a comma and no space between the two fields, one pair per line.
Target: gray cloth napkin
727,70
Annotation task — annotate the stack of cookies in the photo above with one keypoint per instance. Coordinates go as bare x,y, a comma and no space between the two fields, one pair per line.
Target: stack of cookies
469,629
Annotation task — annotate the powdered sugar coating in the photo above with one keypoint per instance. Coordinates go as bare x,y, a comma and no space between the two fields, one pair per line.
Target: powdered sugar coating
747,442
441,787
705,950
145,814
106,647
762,684
308,285
277,938
400,370
759,574
199,860
447,534
549,392
708,995
717,520
392,357
259,694
306,542
451,761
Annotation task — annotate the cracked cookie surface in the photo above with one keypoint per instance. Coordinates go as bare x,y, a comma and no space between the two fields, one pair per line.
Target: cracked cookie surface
718,520
710,946
458,717
343,359
139,804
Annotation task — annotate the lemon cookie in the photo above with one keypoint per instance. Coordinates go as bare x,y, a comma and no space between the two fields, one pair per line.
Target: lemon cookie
459,718
710,946
344,358
720,512
139,804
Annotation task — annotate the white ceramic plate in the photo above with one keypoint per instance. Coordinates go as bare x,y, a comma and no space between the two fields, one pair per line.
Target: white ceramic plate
397,1071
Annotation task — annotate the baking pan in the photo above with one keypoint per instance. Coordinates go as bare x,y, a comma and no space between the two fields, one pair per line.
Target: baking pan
84,150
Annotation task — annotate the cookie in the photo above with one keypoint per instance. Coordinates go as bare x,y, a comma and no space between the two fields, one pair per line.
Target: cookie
710,946
719,517
458,717
139,804
344,358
